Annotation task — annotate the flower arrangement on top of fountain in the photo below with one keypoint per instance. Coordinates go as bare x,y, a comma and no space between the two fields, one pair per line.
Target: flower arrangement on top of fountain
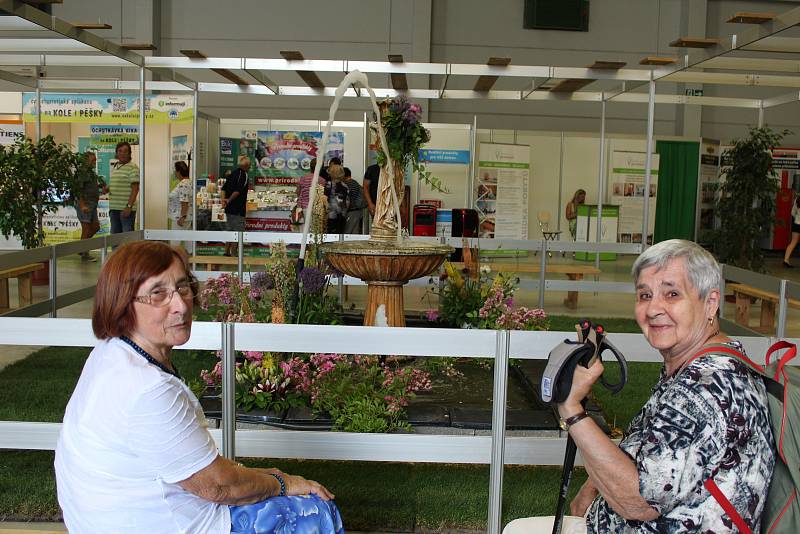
405,135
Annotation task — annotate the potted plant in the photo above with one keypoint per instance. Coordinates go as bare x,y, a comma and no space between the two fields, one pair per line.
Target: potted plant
746,201
35,178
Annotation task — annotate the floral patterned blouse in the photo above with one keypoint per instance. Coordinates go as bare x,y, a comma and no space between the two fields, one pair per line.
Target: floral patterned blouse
711,420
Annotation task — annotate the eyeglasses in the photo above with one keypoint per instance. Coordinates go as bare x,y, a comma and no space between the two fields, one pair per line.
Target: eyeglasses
162,296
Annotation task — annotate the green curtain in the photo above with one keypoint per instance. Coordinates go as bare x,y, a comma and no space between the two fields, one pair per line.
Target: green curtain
677,190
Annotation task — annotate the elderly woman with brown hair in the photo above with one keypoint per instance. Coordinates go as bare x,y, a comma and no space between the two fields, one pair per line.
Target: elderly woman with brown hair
706,420
135,453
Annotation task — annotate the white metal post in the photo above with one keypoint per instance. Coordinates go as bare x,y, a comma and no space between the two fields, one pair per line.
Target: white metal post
783,301
228,392
498,432
473,145
560,184
601,179
193,173
142,179
761,115
38,109
53,282
651,105
366,220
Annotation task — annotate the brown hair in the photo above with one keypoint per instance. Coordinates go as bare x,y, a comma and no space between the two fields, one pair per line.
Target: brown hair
122,144
182,169
120,278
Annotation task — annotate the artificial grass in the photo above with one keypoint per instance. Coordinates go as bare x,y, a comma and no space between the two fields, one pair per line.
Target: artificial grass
371,496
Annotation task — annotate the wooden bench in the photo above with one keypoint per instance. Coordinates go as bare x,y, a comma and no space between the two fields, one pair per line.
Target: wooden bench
573,272
769,302
211,262
24,276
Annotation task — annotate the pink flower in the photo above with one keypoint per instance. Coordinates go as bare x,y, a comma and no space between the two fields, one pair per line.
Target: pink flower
432,315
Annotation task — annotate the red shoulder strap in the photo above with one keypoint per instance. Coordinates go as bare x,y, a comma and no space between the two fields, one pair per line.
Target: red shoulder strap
726,505
724,349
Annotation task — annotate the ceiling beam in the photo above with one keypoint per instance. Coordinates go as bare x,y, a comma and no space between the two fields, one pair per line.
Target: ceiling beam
92,26
571,85
485,83
399,81
225,73
309,77
744,17
66,29
694,42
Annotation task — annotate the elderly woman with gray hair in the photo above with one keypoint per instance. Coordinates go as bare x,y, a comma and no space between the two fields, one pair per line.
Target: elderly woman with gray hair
707,418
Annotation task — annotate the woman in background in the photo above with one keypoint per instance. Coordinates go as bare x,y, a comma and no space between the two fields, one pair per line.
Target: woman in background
795,233
572,211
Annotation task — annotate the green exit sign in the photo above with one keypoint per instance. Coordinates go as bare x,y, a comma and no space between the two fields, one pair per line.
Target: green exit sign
694,92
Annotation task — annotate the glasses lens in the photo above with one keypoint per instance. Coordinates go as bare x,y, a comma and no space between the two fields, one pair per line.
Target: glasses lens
160,296
184,290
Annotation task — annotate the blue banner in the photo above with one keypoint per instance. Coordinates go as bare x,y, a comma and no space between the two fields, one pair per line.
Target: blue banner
433,155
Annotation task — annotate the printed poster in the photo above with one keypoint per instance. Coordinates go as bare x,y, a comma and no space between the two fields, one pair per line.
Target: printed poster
502,190
62,225
10,131
626,189
116,108
282,157
230,148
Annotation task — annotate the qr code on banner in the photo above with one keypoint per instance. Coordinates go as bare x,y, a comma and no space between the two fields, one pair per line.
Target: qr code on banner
119,105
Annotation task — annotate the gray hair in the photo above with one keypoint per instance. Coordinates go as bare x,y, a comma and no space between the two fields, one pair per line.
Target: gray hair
703,270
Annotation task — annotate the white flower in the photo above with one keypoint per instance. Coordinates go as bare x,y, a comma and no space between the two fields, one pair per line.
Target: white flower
485,269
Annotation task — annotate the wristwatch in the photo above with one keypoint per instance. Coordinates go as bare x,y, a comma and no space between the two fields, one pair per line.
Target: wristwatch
128,205
565,424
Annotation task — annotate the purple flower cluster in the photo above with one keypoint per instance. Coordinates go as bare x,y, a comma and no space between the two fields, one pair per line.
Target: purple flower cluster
410,113
312,280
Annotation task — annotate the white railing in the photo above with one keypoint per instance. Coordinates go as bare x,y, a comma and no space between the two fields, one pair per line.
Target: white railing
495,450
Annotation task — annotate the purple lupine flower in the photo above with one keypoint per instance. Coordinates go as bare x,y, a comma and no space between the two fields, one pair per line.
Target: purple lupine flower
312,280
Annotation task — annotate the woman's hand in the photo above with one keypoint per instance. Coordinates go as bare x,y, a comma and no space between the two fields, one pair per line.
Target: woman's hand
583,499
296,485
582,382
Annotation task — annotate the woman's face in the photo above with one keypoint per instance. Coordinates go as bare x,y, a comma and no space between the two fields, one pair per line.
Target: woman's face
669,310
581,198
159,328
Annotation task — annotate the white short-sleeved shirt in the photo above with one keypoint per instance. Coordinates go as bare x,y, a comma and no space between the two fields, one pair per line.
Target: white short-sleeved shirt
130,433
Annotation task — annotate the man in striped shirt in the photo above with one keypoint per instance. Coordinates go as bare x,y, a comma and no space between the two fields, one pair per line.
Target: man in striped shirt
123,190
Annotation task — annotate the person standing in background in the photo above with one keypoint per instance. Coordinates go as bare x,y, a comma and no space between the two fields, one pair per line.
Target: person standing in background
572,211
123,190
88,187
178,200
355,203
795,233
371,177
336,193
235,200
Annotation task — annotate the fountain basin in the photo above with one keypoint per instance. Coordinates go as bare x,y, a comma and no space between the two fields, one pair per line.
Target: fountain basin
385,266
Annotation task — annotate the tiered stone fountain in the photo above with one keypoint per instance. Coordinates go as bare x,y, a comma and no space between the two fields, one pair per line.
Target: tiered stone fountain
386,261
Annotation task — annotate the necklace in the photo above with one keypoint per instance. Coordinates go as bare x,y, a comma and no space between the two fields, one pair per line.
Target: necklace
144,354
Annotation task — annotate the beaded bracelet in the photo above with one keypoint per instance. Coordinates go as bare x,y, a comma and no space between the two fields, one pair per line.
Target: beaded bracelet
282,483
